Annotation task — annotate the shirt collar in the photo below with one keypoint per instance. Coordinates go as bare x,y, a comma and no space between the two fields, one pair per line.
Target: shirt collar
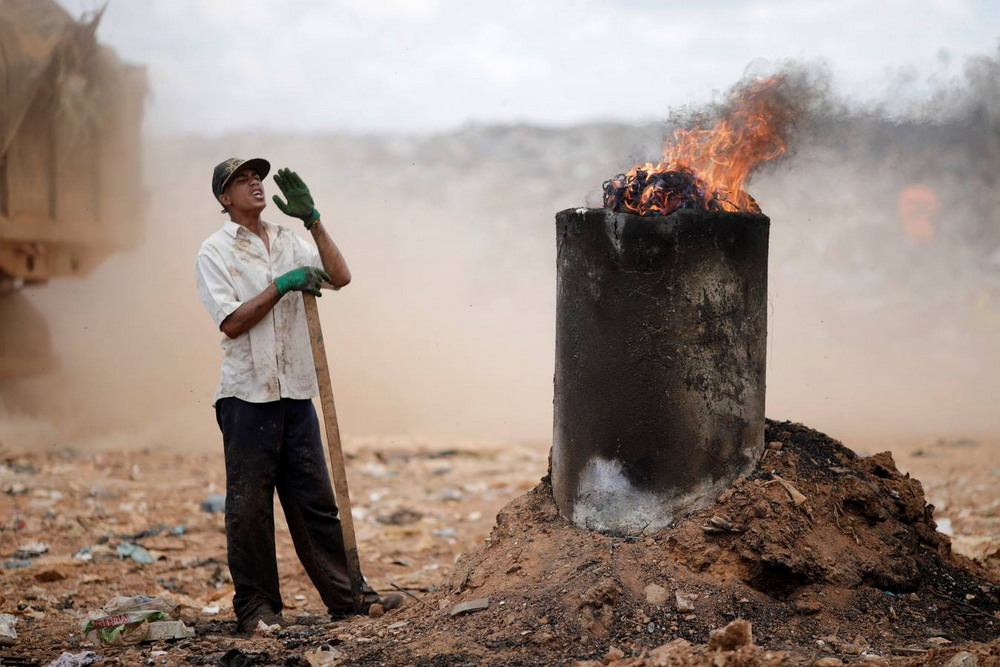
233,228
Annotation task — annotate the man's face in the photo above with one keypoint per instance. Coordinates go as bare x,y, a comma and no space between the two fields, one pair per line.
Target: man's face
244,192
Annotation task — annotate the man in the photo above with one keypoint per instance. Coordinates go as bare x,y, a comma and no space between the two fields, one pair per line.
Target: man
250,276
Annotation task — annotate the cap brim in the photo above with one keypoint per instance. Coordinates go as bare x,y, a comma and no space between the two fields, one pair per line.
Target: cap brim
258,164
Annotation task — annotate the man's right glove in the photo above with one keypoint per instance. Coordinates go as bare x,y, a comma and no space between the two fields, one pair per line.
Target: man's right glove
303,279
300,202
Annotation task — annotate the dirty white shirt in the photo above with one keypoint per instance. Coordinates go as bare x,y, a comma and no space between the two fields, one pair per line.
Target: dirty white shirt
272,360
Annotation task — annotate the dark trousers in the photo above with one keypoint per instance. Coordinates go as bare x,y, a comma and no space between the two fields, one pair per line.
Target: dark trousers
272,446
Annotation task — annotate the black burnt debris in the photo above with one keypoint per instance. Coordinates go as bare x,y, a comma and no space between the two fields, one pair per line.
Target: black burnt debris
648,192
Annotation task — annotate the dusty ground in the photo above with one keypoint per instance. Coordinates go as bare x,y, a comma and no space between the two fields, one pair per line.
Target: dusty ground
818,588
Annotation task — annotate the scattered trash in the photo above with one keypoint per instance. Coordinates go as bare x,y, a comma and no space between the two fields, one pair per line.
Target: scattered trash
83,659
176,531
96,553
797,496
14,564
397,625
160,630
944,526
446,532
130,620
684,602
401,517
211,609
214,503
30,550
323,655
719,524
266,629
135,552
470,606
236,658
8,635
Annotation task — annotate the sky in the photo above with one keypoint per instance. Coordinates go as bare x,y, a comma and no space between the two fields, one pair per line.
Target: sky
220,66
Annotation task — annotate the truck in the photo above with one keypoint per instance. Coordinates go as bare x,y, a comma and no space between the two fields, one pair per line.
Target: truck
71,190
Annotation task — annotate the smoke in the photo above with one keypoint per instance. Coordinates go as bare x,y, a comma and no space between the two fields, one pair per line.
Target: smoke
448,326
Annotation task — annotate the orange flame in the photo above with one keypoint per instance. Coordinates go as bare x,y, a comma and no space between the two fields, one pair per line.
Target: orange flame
713,164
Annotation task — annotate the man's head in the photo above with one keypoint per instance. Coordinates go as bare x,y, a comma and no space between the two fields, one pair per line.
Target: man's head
237,185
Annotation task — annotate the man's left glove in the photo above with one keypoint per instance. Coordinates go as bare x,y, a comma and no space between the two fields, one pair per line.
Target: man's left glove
300,202
303,279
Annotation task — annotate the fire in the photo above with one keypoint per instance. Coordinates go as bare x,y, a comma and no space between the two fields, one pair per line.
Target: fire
707,167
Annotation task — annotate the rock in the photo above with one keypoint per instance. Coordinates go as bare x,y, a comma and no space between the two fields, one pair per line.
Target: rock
50,575
738,634
774,445
656,595
828,662
614,655
721,522
807,606
469,606
685,601
963,659
376,611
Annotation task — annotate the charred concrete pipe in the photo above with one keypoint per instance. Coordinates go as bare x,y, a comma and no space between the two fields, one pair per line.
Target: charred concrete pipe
661,327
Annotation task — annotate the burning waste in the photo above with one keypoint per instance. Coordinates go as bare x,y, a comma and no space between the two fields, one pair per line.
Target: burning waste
706,166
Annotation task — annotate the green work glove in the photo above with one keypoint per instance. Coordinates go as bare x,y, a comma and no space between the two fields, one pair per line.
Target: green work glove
303,279
300,202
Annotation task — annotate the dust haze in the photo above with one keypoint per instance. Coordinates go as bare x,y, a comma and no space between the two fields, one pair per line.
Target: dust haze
880,325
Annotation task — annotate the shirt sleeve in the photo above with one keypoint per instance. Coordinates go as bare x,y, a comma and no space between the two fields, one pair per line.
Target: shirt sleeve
306,253
215,288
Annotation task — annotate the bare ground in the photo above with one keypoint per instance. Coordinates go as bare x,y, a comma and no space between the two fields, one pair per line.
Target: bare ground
828,555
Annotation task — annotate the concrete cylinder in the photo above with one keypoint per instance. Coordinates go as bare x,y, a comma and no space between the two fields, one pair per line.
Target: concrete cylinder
661,332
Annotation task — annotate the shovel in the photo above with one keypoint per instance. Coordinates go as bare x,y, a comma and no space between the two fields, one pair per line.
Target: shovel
336,452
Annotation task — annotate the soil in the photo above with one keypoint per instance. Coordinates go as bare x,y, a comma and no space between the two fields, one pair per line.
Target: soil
820,556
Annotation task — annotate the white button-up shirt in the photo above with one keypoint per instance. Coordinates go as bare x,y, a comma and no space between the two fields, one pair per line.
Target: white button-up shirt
272,360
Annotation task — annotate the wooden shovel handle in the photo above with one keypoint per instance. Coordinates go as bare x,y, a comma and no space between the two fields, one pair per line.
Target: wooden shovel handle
337,468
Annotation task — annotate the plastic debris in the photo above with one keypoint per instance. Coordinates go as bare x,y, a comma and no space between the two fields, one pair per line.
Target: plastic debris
30,550
323,655
130,620
67,659
159,630
8,635
135,552
214,503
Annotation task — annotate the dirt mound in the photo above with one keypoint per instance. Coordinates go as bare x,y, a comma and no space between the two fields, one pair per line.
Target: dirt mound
825,553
